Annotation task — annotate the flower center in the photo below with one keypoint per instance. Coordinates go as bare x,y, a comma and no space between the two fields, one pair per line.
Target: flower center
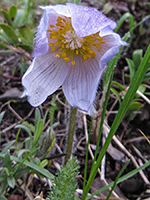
67,44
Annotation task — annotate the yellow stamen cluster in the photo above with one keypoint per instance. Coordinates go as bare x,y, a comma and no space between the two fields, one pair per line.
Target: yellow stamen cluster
68,44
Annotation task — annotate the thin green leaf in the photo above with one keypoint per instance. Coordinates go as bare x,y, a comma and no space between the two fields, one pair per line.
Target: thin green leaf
134,106
21,171
38,132
26,34
123,178
137,57
22,151
45,116
118,176
9,32
107,84
32,152
6,51
118,85
43,163
29,125
26,129
17,136
13,11
86,158
6,17
6,39
116,94
26,47
9,144
52,111
20,18
3,45
3,186
122,20
3,176
11,181
8,162
37,118
131,68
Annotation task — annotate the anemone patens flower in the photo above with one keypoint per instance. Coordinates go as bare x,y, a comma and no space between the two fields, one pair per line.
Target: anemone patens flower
72,47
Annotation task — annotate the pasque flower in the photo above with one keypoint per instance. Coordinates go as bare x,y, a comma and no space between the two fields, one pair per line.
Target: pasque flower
72,47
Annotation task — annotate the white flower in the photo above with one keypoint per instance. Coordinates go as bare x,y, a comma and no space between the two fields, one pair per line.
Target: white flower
72,47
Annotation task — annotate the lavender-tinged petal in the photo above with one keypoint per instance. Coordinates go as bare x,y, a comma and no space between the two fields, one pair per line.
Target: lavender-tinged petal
106,31
49,17
109,49
87,21
41,40
81,84
59,9
44,76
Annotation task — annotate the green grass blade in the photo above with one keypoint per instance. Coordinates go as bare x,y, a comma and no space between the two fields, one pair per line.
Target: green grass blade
86,158
136,81
38,132
122,20
102,119
118,176
121,179
107,85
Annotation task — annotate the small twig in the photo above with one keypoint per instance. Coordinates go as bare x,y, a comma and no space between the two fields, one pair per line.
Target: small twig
15,124
6,61
57,165
79,191
137,139
91,153
14,112
127,153
26,190
112,107
139,153
145,136
86,136
56,156
104,159
58,148
46,125
143,96
58,99
78,144
21,51
10,77
67,106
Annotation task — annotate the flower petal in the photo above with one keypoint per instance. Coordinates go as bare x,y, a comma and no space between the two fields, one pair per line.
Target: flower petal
110,48
87,21
49,17
41,40
44,76
81,83
59,9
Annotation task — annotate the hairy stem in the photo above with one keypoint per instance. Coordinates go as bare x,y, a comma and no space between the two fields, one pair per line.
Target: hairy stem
71,130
